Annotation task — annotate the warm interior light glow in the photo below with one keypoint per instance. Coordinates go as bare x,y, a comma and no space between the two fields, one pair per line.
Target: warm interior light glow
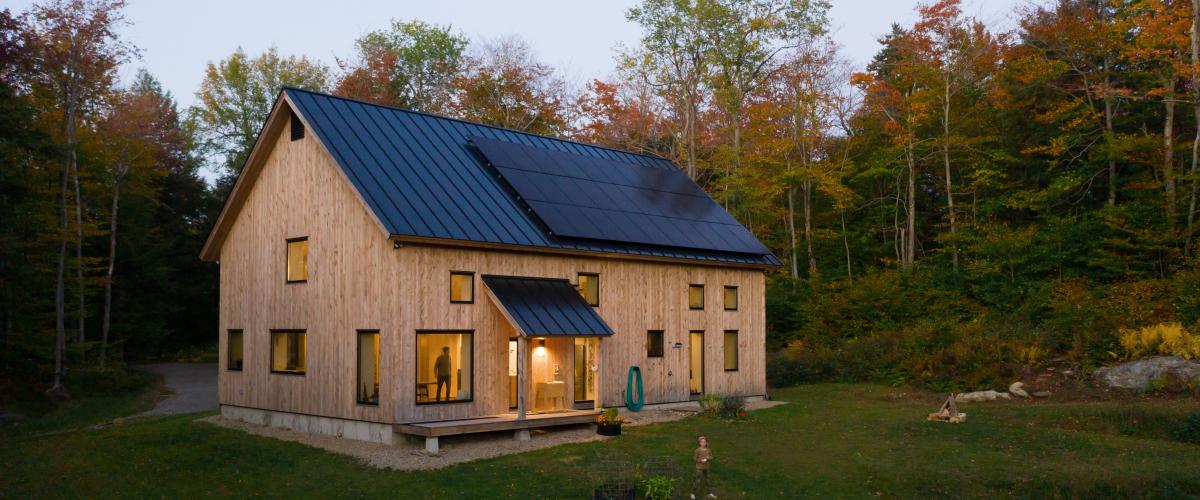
540,350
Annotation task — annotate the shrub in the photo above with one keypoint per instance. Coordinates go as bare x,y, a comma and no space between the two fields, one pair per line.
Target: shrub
1189,431
1169,339
710,402
732,407
659,487
609,417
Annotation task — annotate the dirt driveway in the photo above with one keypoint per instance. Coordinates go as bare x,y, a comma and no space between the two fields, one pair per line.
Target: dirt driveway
194,386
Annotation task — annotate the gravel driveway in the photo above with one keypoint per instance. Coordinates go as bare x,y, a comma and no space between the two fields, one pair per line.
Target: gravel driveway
194,386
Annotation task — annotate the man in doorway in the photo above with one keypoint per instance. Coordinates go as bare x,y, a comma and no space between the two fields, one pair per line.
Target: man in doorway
703,456
441,369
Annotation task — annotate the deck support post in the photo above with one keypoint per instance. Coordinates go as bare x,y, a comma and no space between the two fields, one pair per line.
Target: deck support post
521,435
522,377
431,445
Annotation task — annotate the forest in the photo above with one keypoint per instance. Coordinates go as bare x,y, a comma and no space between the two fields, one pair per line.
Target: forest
973,203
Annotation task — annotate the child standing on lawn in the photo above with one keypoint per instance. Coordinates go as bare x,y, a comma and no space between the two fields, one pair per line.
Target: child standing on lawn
702,456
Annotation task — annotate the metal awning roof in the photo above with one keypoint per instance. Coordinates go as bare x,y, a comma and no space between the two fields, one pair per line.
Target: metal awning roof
545,307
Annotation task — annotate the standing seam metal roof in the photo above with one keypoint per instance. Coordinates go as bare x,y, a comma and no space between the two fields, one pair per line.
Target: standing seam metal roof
546,307
419,175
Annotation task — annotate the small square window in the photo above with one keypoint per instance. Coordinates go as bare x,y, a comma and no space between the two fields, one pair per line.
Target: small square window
731,298
589,287
696,297
288,351
297,260
654,343
462,287
233,351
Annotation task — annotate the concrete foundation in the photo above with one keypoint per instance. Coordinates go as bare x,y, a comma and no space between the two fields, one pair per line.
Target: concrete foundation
351,429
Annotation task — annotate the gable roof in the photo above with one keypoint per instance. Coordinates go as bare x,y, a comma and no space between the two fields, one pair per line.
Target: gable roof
423,181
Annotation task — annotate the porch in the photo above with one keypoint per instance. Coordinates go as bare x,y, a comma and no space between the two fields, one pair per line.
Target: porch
521,425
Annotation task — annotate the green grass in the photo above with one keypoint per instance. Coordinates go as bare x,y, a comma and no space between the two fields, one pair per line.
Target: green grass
832,440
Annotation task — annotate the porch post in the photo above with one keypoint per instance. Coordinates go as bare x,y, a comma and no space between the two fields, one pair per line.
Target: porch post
522,378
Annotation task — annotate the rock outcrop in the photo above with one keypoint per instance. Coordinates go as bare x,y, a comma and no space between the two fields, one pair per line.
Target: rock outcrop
1141,373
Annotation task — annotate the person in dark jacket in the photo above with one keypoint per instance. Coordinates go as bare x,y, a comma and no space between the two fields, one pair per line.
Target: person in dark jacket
441,369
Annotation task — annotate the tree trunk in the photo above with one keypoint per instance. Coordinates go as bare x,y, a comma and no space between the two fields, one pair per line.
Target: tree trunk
1169,155
949,180
60,296
78,242
1196,110
910,234
791,220
846,244
112,263
808,240
1109,137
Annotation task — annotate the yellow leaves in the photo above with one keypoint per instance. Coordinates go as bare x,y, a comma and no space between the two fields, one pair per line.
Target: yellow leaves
1169,339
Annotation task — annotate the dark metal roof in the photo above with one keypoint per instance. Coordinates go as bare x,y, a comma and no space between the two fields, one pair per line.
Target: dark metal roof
421,177
546,307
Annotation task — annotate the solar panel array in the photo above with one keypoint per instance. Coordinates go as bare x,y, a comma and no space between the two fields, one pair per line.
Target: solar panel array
587,197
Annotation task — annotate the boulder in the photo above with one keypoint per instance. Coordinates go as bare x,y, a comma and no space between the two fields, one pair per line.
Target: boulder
1140,373
1018,389
978,396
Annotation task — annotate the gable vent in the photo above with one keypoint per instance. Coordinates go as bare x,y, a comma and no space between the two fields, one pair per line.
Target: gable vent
297,128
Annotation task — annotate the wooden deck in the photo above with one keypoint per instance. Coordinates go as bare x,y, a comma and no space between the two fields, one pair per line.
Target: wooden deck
505,422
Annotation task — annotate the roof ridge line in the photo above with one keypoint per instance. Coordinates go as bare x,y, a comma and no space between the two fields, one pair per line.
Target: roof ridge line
451,118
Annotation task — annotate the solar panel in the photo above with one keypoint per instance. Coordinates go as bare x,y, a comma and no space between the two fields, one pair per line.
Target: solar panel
580,196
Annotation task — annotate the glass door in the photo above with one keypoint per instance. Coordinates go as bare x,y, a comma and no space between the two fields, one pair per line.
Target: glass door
512,374
696,363
585,373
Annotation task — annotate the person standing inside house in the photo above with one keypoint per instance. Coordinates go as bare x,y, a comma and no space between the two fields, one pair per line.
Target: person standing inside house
441,369
703,456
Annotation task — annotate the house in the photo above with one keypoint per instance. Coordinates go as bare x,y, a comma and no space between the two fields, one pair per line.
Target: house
385,271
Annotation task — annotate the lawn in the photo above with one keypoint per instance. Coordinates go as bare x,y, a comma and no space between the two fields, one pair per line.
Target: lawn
831,440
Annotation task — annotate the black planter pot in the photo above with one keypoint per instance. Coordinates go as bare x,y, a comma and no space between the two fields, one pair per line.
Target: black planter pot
608,429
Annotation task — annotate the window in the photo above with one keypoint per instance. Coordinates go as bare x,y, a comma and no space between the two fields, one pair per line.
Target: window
288,351
731,350
654,343
696,296
367,390
589,287
297,128
731,298
444,366
297,260
233,351
462,287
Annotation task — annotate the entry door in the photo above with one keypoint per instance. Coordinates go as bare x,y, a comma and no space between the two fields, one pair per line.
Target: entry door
585,376
696,363
512,373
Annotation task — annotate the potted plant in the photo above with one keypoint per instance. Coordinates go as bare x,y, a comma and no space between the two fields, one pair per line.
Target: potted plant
608,423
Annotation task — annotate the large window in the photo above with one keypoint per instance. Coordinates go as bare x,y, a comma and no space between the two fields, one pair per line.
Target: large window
731,298
462,287
367,390
695,296
288,351
589,287
444,366
233,350
731,350
654,343
297,260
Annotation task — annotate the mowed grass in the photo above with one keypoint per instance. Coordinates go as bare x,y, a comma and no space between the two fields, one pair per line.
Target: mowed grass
830,440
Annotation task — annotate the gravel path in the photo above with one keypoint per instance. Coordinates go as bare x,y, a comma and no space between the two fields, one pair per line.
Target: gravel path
458,449
194,387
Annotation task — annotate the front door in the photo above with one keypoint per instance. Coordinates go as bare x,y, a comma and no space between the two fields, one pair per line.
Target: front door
696,363
512,374
585,375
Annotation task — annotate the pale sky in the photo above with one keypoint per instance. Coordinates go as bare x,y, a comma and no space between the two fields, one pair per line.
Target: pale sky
177,37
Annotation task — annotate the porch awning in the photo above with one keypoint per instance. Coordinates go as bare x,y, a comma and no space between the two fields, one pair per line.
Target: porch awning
545,307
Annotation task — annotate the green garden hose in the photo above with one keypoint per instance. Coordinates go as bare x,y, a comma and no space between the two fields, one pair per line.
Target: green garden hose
634,405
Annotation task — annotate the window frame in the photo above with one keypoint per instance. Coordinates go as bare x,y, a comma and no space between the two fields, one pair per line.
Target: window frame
737,351
703,296
662,344
271,359
737,298
579,285
287,277
229,355
417,365
358,367
462,273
